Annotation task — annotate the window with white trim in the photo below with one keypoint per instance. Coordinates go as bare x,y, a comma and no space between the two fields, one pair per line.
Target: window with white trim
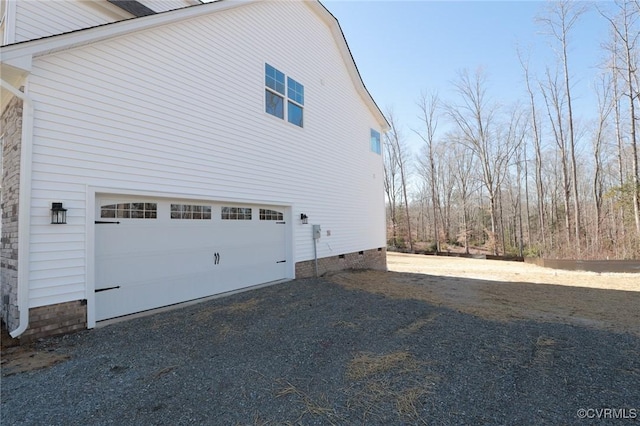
266,214
189,211
274,81
236,213
130,211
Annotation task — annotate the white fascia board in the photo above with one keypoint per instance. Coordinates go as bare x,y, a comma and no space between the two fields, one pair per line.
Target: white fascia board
22,63
56,43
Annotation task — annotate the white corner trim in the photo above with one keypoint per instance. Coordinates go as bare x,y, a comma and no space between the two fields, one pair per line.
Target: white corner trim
9,35
89,281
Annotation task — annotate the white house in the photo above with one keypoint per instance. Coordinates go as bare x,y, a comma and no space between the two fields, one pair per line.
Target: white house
193,147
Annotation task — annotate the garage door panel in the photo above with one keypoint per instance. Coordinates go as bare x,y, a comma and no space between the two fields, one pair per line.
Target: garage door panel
155,265
134,297
160,261
129,238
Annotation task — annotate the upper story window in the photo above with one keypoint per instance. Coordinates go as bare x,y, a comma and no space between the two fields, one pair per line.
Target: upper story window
274,92
295,91
375,142
274,96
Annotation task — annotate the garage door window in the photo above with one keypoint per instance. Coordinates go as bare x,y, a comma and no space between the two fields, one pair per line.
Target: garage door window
190,211
271,215
236,213
130,211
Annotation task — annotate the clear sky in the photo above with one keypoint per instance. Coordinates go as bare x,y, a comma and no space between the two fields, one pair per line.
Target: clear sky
403,48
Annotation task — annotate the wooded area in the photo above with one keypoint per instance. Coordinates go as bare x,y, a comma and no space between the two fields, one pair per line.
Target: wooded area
511,179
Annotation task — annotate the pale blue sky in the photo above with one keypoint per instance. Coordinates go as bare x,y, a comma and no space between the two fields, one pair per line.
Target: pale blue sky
405,47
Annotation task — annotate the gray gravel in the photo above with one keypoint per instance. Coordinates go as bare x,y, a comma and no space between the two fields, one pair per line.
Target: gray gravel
287,354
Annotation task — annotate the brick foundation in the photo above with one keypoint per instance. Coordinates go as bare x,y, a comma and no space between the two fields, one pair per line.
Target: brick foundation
52,320
367,259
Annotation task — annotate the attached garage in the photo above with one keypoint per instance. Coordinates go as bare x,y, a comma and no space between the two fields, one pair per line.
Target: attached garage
203,171
154,252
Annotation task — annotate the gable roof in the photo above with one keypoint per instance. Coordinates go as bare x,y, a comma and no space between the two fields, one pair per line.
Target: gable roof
17,58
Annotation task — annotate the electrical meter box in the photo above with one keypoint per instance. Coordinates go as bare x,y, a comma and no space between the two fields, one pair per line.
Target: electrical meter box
316,232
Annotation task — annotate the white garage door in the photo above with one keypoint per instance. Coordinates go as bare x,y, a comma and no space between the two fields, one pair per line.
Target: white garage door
153,253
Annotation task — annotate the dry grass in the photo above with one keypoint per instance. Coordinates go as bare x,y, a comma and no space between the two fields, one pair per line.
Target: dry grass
543,350
245,306
365,365
418,324
528,292
26,358
311,406
225,330
408,402
388,381
344,324
238,307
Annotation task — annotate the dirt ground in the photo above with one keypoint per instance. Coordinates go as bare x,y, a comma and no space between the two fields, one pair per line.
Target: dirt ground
508,291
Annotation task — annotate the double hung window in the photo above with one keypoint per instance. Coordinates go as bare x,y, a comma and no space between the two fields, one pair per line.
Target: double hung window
275,93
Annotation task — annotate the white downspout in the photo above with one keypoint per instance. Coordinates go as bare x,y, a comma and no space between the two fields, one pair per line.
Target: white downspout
24,211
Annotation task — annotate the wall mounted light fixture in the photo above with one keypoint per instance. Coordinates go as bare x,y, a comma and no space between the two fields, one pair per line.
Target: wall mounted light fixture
58,214
304,218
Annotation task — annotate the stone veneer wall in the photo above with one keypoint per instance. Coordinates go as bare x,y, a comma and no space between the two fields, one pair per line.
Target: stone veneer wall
367,259
11,125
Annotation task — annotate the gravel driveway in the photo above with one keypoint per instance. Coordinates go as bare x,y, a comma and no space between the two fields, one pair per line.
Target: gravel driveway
315,352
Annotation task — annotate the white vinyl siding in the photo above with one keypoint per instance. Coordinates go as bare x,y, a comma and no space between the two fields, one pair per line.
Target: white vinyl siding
41,18
185,115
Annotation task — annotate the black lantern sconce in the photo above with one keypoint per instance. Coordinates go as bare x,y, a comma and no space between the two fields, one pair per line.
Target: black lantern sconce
58,214
304,218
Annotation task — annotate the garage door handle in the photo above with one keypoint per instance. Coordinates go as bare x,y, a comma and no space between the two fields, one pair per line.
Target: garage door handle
216,258
98,290
98,222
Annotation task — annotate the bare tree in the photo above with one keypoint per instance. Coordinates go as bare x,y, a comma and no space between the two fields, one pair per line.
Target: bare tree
429,104
391,185
537,148
515,138
625,27
475,117
399,154
560,19
605,106
446,189
554,101
463,167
